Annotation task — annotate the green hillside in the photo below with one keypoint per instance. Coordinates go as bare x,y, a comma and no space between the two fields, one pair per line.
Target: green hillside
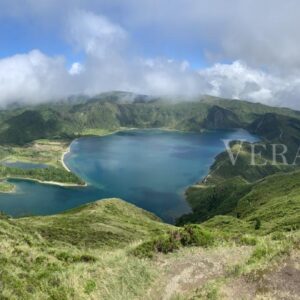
63,121
112,111
95,252
273,202
243,230
77,253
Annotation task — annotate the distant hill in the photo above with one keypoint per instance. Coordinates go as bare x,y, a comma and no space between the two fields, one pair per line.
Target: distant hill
274,201
115,110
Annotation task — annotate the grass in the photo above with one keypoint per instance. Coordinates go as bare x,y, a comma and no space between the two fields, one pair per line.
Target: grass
189,235
48,152
87,252
268,205
267,252
80,254
6,187
96,131
44,151
106,224
247,277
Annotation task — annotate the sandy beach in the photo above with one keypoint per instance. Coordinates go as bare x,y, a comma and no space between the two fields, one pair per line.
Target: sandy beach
49,182
62,159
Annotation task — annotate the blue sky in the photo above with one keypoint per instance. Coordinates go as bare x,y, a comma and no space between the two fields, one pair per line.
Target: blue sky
51,49
21,36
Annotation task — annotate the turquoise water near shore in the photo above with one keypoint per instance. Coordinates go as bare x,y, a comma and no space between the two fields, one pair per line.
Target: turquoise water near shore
149,168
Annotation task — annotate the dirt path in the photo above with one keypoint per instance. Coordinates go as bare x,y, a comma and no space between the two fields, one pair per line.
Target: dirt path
191,269
281,282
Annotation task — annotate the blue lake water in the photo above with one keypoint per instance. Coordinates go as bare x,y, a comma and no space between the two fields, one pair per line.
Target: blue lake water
150,168
24,165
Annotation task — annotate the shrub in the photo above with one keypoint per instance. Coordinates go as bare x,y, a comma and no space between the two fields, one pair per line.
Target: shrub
257,224
248,240
144,250
189,235
164,244
69,258
278,236
169,243
195,235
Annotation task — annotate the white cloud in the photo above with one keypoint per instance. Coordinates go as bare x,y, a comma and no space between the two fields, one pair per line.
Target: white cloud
236,80
32,77
76,68
94,34
111,62
257,32
239,81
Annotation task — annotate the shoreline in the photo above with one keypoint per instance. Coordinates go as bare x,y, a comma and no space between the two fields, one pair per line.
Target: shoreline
63,157
49,182
13,188
68,149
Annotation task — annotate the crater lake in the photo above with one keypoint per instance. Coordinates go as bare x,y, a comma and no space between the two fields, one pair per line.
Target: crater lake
149,168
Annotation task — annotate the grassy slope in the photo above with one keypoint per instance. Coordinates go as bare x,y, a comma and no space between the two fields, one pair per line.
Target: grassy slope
112,111
274,201
86,253
78,254
222,168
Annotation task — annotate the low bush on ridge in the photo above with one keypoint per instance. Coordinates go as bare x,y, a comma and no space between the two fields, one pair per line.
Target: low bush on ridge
189,235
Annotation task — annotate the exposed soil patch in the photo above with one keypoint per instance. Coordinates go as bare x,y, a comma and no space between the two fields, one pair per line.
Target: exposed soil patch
281,283
191,269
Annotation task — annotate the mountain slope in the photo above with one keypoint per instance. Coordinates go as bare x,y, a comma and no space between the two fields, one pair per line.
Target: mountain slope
273,202
112,111
221,118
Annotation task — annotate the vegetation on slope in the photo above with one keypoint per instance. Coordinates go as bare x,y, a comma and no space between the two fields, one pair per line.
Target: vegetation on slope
271,204
97,252
49,174
112,111
6,187
78,254
21,127
94,251
249,166
47,152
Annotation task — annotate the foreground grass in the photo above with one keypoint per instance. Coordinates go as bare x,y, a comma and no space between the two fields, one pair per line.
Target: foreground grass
81,254
101,251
